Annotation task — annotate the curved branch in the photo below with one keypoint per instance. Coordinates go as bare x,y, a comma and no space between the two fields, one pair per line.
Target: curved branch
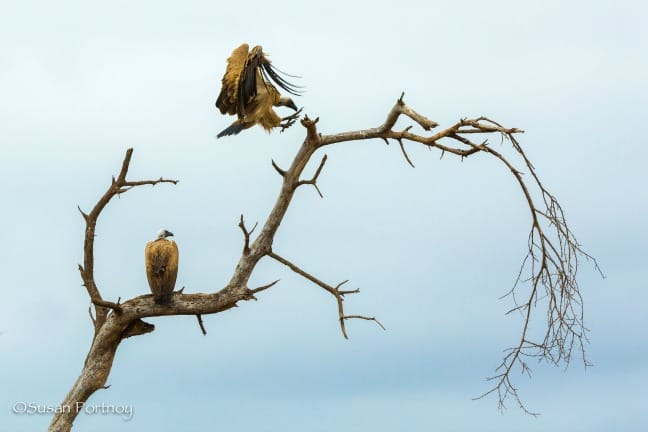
117,187
333,290
551,262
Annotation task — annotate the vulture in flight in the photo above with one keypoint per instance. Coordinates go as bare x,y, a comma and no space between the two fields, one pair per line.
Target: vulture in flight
161,259
248,92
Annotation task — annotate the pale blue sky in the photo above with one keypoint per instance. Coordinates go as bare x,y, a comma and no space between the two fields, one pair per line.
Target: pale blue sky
432,248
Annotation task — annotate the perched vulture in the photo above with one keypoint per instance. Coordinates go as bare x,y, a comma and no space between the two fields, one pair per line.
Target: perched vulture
248,93
161,258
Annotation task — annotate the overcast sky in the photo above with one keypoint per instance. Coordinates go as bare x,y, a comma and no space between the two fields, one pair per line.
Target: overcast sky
432,248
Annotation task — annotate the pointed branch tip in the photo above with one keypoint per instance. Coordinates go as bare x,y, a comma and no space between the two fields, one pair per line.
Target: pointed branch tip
201,324
281,172
402,147
85,215
264,287
246,234
365,318
313,181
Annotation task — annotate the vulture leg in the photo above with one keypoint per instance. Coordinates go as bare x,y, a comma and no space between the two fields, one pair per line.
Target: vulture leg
289,120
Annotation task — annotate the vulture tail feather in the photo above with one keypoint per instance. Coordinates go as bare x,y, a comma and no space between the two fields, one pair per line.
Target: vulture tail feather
232,129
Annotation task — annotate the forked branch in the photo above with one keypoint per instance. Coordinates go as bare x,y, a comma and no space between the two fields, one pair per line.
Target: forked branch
333,290
246,235
118,186
313,180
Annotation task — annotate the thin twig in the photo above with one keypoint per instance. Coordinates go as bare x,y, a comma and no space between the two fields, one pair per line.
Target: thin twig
281,172
107,304
201,324
264,287
364,318
313,180
246,234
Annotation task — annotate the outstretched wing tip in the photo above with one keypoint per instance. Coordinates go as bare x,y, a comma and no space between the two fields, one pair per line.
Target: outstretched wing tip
272,73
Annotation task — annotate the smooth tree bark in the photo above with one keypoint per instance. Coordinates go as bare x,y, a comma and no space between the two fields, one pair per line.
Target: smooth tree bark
546,281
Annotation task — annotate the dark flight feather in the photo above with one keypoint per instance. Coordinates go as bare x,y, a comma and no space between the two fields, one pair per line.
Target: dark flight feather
270,72
232,129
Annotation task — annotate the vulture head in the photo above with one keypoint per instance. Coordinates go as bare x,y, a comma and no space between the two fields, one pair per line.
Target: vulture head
287,102
164,233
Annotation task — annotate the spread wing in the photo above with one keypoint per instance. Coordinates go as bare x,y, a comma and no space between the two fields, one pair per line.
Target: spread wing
258,67
240,83
161,258
227,100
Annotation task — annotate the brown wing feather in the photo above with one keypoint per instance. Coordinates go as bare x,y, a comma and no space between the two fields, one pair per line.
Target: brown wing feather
261,110
161,259
227,100
250,76
259,70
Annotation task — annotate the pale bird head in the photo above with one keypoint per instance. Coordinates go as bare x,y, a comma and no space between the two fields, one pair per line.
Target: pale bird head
288,102
164,233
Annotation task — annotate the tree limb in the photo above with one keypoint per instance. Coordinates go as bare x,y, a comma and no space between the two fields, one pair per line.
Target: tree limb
549,267
551,263
117,187
333,290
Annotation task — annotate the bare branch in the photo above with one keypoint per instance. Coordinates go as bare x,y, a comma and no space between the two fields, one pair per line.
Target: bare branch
423,121
85,216
311,128
281,172
355,291
264,287
293,267
200,323
246,234
553,252
110,305
132,184
117,187
346,317
552,262
402,147
335,291
92,318
313,181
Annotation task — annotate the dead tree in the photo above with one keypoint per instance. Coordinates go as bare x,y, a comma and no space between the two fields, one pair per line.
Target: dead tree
546,282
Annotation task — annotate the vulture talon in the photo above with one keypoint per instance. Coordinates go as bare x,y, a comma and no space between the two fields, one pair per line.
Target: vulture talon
286,125
248,92
289,120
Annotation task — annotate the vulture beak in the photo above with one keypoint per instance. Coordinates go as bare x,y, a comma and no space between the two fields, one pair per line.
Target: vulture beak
287,102
168,234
